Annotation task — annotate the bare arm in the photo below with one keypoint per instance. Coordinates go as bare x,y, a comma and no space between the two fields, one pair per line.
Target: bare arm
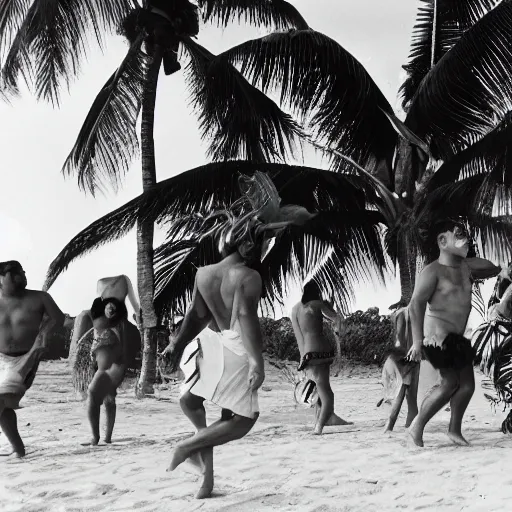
247,300
329,312
482,268
196,319
423,291
53,317
297,331
82,324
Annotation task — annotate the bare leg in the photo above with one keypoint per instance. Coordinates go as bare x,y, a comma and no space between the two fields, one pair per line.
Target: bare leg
459,403
395,409
435,400
411,395
99,388
326,396
220,432
110,413
9,425
193,408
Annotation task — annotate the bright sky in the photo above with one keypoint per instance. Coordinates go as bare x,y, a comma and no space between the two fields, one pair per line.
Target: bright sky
40,210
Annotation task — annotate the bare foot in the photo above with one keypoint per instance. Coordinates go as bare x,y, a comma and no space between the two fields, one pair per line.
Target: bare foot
205,491
179,455
108,440
457,438
93,442
318,430
19,453
195,464
388,427
335,420
414,439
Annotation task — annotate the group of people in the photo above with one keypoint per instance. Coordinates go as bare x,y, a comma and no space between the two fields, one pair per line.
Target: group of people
219,344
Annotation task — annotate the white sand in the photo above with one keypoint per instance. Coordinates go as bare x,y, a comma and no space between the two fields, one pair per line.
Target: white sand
279,466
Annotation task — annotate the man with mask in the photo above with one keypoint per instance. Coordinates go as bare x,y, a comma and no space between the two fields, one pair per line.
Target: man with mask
439,311
26,319
225,366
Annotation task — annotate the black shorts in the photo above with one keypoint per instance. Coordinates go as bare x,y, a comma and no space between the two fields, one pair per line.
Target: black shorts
455,352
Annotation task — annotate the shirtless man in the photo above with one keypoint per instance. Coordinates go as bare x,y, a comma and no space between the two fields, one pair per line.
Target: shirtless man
316,352
439,310
228,368
26,319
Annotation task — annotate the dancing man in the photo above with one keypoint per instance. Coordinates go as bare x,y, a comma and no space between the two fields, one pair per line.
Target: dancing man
227,362
439,311
316,352
26,319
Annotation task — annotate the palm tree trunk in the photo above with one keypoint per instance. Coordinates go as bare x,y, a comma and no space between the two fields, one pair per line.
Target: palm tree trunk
145,232
407,266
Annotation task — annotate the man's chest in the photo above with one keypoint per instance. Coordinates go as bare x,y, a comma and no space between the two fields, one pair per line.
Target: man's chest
19,312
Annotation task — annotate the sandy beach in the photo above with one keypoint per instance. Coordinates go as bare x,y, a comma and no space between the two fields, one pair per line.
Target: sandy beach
278,466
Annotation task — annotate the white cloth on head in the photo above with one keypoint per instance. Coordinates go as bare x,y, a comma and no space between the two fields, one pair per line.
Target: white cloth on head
222,364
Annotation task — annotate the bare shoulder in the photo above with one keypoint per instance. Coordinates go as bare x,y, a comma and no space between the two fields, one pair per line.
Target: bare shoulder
37,295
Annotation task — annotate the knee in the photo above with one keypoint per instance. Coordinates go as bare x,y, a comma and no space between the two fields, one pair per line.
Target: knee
449,384
190,402
467,387
109,401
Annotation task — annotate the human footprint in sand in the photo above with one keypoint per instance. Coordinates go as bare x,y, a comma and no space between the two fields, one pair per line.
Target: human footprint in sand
439,311
26,319
108,354
225,364
316,352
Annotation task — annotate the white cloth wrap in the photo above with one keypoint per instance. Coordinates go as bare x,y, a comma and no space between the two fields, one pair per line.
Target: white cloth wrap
223,376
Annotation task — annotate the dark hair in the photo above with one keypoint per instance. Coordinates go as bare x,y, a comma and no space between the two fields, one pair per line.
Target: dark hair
431,232
311,292
99,305
4,265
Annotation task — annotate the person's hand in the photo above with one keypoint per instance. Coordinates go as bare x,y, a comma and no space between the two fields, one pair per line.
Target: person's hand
414,355
256,376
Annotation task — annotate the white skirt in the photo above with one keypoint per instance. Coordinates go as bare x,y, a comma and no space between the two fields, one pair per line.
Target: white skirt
216,368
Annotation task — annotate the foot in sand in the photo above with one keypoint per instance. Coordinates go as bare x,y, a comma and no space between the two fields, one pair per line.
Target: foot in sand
93,442
457,438
414,437
317,431
205,491
335,420
179,455
19,453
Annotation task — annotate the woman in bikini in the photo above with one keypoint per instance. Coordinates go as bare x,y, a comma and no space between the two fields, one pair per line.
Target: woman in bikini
108,357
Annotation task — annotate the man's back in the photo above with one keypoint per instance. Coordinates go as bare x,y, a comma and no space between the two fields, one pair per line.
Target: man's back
309,318
220,286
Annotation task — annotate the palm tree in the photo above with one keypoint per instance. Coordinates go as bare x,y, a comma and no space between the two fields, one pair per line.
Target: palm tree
458,99
341,244
48,39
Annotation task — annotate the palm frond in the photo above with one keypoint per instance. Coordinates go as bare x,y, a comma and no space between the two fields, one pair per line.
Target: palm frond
502,371
55,34
12,13
439,26
236,119
491,156
470,88
477,301
338,248
486,341
326,87
215,186
276,14
108,140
